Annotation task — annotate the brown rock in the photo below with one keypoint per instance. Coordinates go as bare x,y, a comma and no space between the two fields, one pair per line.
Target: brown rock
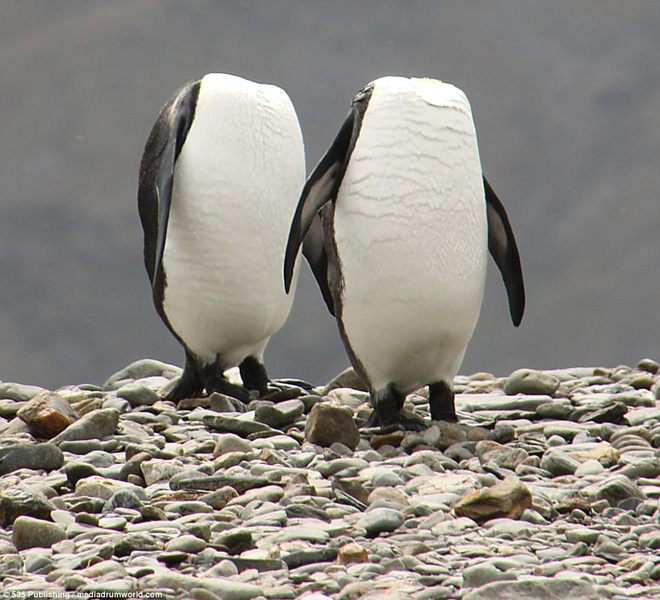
503,456
328,423
606,454
508,498
393,439
34,533
47,414
352,553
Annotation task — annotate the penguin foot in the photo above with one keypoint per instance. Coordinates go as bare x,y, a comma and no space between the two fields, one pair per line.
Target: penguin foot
254,377
400,422
189,385
223,386
441,402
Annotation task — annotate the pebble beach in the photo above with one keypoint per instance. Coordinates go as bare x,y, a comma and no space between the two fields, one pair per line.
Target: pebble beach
547,488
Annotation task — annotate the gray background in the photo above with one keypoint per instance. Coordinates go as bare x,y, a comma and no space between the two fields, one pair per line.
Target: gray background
566,98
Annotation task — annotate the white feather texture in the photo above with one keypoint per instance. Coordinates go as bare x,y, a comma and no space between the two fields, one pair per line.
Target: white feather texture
411,234
236,186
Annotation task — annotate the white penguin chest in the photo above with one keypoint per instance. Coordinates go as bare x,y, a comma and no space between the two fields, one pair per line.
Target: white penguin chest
411,235
236,185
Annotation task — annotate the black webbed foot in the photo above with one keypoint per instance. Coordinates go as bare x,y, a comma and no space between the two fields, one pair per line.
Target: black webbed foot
398,423
387,414
441,402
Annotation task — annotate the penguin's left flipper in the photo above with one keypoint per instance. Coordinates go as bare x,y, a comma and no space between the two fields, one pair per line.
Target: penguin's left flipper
323,184
503,248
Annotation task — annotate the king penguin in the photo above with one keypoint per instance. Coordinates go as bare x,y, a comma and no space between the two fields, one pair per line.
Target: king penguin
219,180
396,222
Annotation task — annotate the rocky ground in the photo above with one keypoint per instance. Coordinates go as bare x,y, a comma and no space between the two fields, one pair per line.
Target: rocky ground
548,488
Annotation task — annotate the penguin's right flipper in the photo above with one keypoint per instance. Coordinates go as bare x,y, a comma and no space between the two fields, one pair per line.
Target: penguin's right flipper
157,171
317,257
323,184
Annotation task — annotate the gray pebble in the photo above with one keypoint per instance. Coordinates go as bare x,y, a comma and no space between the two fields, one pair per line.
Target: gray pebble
528,381
44,456
380,520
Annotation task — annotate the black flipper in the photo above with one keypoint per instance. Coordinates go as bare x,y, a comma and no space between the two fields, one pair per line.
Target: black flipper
163,186
157,172
503,248
317,257
323,184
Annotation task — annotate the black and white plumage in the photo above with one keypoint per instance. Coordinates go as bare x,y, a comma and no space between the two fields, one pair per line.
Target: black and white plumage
220,176
397,220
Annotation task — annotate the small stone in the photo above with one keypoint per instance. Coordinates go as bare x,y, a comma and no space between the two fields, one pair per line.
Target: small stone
530,382
346,379
536,588
393,439
173,557
499,454
648,365
386,478
241,483
97,424
482,573
36,533
104,488
559,463
219,498
225,404
352,553
328,423
186,543
508,498
21,500
77,470
138,395
123,499
230,442
582,534
140,369
300,558
240,426
47,414
380,520
647,467
603,452
235,540
225,568
589,467
278,415
46,456
608,549
614,489
157,469
612,413
557,409
19,392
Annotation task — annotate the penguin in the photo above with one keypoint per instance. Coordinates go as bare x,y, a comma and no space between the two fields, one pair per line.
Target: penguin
219,181
396,222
